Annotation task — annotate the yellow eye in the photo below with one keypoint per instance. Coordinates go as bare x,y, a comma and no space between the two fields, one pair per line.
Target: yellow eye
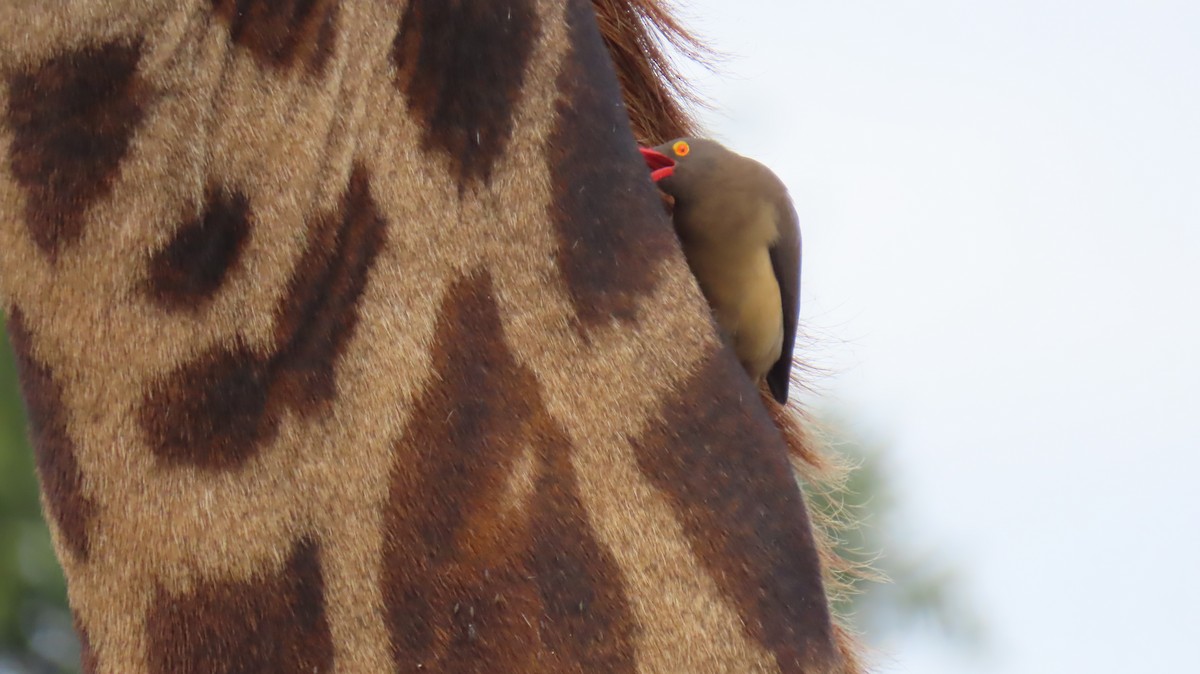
681,149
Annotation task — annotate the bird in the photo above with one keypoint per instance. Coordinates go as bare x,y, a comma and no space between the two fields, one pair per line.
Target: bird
741,237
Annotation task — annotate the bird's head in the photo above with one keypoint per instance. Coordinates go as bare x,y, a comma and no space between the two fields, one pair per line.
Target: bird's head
684,165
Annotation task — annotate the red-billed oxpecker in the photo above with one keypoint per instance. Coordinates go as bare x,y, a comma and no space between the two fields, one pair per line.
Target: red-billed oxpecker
739,233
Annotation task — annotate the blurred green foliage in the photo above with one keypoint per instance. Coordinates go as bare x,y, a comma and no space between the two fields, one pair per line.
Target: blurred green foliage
915,589
35,627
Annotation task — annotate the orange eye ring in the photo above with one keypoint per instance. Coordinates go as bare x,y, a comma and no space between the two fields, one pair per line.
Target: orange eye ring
681,149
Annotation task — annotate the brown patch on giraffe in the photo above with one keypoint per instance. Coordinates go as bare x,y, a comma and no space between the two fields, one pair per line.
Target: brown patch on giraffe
471,586
317,317
53,447
282,34
611,231
72,118
275,623
186,273
461,67
216,411
587,617
213,411
722,464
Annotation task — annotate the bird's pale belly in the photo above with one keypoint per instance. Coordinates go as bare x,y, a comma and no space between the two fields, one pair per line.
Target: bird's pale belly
746,303
757,333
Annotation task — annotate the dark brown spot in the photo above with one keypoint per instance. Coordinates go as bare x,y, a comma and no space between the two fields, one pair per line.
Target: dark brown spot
190,269
723,465
587,621
212,412
470,586
71,119
317,317
283,34
219,409
461,66
611,229
53,448
272,624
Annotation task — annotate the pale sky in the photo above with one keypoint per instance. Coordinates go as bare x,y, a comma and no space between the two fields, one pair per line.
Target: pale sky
1001,212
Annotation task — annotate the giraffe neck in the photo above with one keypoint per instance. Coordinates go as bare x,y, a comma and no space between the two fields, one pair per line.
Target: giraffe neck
354,338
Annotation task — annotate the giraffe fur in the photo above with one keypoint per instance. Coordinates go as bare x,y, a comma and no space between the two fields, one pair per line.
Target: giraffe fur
354,338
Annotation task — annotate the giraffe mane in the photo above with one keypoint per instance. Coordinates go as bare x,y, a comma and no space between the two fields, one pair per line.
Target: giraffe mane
640,36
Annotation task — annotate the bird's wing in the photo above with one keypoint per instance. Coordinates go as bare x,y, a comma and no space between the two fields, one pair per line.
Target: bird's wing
785,260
